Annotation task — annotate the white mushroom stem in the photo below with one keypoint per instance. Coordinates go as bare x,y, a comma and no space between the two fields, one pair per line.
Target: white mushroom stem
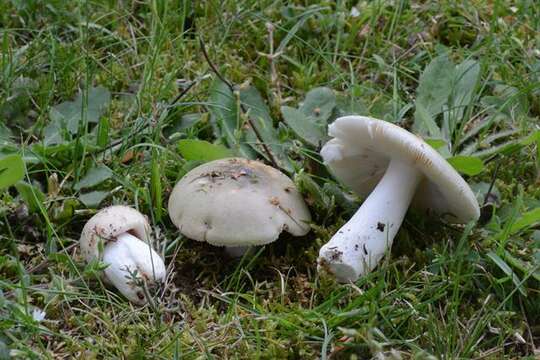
361,243
130,254
236,251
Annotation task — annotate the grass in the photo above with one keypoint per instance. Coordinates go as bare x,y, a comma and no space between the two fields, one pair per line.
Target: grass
96,95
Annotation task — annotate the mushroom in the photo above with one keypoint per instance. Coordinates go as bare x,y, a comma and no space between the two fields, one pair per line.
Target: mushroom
126,250
396,169
237,203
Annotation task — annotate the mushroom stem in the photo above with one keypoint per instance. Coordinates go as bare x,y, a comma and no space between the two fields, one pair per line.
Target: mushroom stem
360,244
236,251
127,255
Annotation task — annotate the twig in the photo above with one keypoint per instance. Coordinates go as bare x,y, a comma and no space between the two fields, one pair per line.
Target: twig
144,126
242,107
486,197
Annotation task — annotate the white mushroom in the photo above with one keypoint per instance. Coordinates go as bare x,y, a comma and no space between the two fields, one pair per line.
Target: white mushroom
237,203
396,169
126,250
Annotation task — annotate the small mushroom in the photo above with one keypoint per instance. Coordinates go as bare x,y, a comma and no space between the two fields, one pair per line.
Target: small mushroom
126,250
396,169
237,203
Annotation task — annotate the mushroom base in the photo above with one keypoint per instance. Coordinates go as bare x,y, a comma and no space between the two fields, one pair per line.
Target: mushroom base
361,243
237,251
129,256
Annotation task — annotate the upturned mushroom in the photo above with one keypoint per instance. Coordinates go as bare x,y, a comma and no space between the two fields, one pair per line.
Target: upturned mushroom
237,203
132,263
396,169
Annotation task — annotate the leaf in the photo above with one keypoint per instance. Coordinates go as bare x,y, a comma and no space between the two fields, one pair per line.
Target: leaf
69,114
467,75
305,127
467,165
5,135
202,150
435,84
435,143
33,197
350,106
507,270
526,220
259,115
11,170
93,198
521,265
425,124
94,176
319,104
225,118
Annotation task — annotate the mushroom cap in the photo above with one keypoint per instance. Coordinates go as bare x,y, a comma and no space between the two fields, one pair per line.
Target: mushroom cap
107,224
237,202
362,148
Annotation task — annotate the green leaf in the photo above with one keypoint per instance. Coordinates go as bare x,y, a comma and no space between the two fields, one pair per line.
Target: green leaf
69,114
467,165
425,124
467,75
507,270
305,127
319,104
93,198
155,184
33,197
94,176
259,114
5,135
225,117
202,150
435,143
11,170
435,84
103,132
526,220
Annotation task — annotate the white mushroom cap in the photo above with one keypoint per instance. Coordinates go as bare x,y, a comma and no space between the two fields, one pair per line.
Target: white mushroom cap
237,202
360,153
124,233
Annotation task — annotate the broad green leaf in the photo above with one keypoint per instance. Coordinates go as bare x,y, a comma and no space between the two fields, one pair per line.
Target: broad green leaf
507,270
259,114
94,176
467,75
33,197
425,124
350,106
5,134
305,127
435,143
202,150
526,220
93,198
319,104
11,170
467,165
69,114
226,119
521,265
435,84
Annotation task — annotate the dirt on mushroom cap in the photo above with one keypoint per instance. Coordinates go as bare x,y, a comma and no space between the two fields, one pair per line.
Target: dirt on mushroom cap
237,202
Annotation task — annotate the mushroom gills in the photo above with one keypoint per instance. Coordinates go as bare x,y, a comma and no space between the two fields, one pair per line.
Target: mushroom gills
127,255
361,243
